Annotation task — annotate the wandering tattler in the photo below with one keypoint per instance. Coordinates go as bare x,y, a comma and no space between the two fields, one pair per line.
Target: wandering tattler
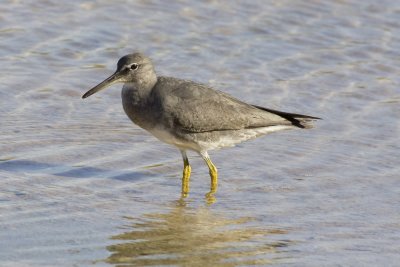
192,116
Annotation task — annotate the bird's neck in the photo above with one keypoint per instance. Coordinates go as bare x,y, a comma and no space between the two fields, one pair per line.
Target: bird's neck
136,97
140,89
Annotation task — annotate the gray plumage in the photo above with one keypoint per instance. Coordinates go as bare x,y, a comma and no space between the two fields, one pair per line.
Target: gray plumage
191,115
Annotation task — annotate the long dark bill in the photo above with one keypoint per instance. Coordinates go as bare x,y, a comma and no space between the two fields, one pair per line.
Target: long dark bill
104,84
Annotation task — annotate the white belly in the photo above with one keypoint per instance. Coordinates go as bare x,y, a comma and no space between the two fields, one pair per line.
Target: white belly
232,138
214,140
168,138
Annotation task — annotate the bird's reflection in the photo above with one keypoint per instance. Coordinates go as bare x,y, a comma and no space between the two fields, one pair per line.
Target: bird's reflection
195,237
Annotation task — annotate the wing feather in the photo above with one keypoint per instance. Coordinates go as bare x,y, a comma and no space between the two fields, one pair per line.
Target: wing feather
194,107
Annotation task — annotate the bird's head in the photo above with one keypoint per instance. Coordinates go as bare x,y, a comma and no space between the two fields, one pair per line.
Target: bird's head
133,68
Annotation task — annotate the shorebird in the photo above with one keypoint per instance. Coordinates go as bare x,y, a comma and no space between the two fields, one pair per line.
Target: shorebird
190,115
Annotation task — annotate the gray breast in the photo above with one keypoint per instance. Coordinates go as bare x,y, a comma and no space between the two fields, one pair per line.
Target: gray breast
138,108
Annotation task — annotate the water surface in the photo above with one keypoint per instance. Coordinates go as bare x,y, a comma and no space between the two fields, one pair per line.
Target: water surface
81,185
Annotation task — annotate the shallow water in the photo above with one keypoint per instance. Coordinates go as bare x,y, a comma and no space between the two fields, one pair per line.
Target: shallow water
80,185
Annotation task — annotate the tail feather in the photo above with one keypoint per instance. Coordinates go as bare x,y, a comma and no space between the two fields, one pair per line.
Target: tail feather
298,120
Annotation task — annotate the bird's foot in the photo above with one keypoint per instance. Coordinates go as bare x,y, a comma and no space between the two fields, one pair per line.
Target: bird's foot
210,198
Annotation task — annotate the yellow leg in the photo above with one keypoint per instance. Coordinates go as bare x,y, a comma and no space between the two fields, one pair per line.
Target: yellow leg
214,178
213,175
186,174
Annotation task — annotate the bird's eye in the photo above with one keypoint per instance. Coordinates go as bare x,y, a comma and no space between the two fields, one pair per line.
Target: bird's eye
134,66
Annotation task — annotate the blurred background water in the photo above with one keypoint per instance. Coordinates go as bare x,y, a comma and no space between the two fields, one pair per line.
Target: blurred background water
81,185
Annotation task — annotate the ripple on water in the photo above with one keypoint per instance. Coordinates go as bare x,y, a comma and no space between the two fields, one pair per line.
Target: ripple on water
80,185
186,236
